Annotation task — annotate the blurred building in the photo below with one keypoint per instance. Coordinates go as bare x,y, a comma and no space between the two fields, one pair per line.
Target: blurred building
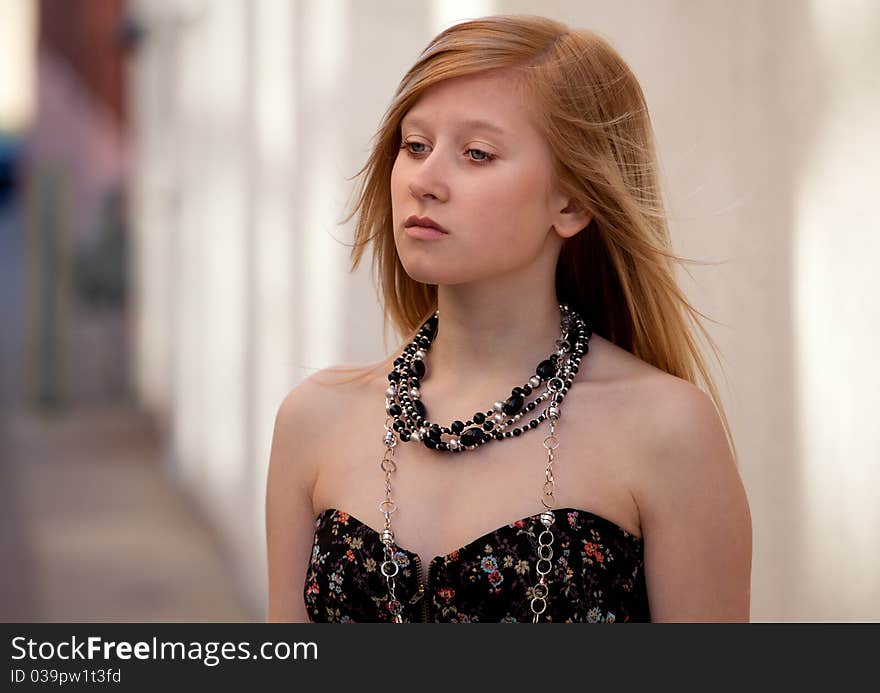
74,173
92,529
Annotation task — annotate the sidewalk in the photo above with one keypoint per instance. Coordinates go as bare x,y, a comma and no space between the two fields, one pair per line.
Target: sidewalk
92,531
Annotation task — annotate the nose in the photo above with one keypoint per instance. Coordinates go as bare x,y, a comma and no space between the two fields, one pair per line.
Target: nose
427,180
419,191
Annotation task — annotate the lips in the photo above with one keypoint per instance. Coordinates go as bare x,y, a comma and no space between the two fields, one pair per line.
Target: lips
426,222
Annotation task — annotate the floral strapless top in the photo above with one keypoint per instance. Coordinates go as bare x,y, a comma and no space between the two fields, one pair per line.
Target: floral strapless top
597,575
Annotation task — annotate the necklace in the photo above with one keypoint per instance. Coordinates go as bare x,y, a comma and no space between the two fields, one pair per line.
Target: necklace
407,422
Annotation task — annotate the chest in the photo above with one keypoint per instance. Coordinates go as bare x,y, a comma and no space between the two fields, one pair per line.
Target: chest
446,501
597,575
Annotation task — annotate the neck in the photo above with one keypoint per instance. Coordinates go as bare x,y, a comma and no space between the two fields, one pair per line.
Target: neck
490,338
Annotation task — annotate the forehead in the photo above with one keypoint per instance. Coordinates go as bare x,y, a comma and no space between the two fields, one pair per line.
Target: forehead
491,102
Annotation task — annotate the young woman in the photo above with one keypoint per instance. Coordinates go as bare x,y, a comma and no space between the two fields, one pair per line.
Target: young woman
537,448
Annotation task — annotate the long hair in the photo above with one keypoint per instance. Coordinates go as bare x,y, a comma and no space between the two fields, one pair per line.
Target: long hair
619,271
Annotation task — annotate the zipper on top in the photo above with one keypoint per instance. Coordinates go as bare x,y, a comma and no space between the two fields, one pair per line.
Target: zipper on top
423,591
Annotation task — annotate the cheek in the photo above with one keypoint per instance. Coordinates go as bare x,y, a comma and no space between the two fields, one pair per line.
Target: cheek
395,183
401,171
508,208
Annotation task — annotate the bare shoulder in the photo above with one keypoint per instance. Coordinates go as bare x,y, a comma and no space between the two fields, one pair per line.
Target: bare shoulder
693,509
300,412
681,438
689,467
669,415
334,388
348,379
299,433
289,483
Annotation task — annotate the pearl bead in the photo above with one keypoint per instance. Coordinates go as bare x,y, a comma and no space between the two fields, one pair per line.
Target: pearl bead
453,444
498,406
414,392
499,417
534,381
391,391
416,436
420,354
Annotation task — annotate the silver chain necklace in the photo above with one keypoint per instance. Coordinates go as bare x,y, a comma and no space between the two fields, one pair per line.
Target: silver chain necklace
407,421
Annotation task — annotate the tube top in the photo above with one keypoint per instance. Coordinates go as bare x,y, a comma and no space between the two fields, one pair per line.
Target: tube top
597,575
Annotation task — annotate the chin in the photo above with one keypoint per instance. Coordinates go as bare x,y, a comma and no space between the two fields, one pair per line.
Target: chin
426,270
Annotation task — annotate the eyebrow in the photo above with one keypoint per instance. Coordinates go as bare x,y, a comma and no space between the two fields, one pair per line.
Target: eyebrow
472,123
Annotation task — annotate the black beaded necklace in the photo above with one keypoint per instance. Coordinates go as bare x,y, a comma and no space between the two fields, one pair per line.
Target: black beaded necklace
409,415
410,423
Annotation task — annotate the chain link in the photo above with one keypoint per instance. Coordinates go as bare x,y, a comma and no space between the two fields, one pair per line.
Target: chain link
544,564
388,506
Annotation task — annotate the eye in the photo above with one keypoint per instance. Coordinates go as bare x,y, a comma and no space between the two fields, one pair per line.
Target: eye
409,144
488,156
485,156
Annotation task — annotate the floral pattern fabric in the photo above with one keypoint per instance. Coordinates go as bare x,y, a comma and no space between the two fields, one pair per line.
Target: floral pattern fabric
597,574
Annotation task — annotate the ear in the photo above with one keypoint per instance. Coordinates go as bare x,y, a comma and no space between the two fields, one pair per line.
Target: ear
571,219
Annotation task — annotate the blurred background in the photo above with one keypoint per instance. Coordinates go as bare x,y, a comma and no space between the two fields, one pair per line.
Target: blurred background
171,177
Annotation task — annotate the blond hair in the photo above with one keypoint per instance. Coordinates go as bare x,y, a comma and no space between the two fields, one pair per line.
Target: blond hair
619,271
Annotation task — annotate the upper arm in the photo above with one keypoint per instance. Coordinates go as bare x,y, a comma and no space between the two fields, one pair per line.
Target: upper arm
694,513
289,519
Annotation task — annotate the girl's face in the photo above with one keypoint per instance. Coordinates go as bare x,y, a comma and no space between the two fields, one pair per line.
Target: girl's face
488,183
